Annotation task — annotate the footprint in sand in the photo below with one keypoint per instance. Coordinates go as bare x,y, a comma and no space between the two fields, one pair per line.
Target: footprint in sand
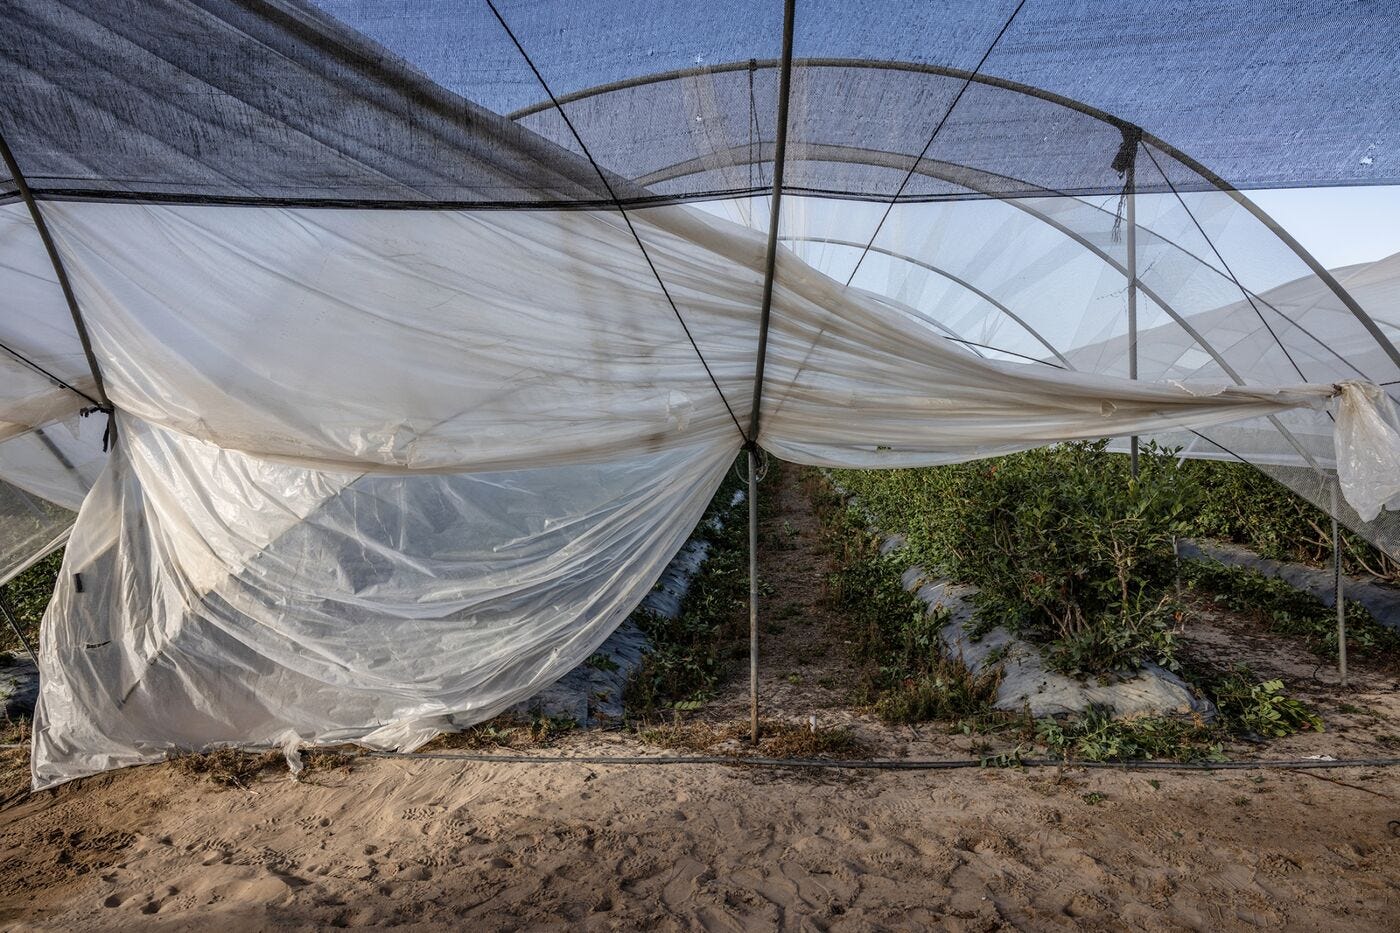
421,813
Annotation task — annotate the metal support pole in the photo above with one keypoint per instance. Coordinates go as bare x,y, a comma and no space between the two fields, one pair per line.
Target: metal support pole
764,313
8,158
1131,218
753,594
1341,591
14,625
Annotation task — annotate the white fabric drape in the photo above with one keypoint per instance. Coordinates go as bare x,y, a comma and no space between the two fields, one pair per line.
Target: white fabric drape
378,473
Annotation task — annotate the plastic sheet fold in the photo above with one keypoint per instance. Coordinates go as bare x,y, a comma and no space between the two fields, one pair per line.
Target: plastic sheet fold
209,597
1368,449
415,483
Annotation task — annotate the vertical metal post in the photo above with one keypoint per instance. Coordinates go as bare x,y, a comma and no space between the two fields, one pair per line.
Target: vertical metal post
753,594
764,314
1131,218
14,625
1341,591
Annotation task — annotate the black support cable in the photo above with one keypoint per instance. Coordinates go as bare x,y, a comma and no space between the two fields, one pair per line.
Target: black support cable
617,203
48,375
1228,271
987,346
771,257
900,764
967,82
17,176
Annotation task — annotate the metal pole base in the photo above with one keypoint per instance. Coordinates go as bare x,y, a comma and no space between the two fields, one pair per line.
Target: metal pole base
1341,592
753,596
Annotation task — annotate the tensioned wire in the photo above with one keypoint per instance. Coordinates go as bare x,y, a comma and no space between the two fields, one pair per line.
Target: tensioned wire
1228,271
48,375
905,764
934,135
617,202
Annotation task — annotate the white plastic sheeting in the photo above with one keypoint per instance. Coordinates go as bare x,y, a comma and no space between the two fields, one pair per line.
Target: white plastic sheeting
1368,450
276,601
452,341
382,473
36,325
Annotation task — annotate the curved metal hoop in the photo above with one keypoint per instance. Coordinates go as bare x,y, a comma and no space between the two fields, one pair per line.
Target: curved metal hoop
1366,321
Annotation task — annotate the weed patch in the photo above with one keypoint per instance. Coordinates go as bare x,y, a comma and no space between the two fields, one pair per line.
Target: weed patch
230,767
15,732
950,691
505,732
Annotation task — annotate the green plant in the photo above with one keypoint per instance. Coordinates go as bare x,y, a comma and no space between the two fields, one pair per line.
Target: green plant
602,662
1244,505
1066,548
28,596
1097,736
1249,705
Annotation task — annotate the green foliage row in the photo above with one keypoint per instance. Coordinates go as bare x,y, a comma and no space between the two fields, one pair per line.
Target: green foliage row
1066,548
909,677
914,680
1096,736
1242,505
1287,611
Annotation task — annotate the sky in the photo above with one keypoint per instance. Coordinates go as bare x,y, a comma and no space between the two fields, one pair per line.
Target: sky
1340,226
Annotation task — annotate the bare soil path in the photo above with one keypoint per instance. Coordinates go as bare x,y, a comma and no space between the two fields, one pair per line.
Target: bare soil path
806,663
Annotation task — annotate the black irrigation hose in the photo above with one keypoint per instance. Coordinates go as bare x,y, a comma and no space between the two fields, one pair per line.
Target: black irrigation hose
911,764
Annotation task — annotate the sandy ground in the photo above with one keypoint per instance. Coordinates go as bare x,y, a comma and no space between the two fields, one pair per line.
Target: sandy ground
443,845
450,844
